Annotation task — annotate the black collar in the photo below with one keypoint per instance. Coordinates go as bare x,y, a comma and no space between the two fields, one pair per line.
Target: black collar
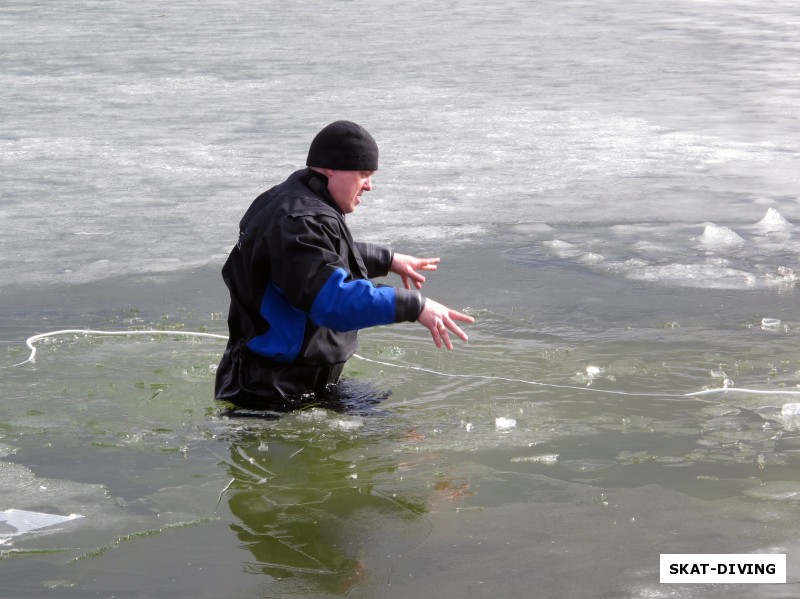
318,183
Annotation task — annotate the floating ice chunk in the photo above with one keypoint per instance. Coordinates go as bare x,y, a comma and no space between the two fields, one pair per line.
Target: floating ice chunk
23,521
347,424
533,229
716,236
790,409
591,258
313,415
711,275
790,416
772,459
548,459
588,465
563,249
770,324
594,371
776,491
589,375
773,221
503,423
784,275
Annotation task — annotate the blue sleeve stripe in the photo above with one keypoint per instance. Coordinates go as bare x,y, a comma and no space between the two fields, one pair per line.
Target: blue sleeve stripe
287,325
352,305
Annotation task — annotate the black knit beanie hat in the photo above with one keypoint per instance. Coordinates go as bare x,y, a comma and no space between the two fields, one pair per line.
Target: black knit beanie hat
344,146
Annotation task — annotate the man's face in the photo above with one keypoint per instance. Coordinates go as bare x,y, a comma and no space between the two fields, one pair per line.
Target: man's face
346,187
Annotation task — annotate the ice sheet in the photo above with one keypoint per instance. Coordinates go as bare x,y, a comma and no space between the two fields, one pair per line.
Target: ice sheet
14,522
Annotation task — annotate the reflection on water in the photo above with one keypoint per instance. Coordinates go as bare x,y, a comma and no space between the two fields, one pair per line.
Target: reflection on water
314,506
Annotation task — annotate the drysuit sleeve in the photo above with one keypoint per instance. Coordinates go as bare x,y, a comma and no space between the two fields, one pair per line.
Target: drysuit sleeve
315,278
377,258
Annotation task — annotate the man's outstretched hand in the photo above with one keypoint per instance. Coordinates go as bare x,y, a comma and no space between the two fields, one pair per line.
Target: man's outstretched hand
407,267
441,321
438,319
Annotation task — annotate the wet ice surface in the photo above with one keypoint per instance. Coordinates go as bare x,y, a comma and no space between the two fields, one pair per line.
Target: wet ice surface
704,255
95,426
143,157
613,190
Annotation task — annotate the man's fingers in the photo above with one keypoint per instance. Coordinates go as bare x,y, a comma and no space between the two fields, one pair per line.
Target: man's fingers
440,321
461,316
408,270
414,276
444,336
447,343
456,329
437,338
440,333
429,264
425,263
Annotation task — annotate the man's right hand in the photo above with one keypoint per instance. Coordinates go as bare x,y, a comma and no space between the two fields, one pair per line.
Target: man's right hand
439,319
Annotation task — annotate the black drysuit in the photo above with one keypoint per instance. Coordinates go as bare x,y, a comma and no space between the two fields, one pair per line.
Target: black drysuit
300,290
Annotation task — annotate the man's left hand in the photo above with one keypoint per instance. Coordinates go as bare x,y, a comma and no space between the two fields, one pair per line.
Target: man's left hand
407,267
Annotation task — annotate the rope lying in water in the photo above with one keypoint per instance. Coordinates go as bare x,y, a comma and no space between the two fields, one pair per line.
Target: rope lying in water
576,388
31,341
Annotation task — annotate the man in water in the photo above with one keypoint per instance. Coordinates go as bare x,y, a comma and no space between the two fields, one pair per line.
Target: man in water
300,285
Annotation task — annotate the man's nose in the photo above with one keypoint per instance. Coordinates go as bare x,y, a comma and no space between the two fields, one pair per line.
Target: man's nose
368,184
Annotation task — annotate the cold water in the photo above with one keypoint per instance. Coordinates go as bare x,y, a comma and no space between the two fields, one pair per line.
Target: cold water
612,188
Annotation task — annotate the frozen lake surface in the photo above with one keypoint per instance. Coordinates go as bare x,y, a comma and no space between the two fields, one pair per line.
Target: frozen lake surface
613,189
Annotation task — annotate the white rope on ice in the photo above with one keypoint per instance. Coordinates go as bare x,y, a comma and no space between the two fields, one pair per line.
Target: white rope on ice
30,342
589,389
742,391
505,379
